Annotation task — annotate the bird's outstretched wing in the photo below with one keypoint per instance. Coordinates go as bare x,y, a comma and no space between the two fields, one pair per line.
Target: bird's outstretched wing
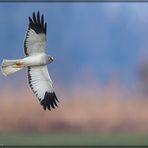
41,85
35,39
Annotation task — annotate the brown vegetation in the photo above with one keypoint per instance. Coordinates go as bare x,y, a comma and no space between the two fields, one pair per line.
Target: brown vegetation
81,109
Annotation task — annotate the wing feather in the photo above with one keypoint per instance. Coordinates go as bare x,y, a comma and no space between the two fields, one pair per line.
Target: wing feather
41,85
35,39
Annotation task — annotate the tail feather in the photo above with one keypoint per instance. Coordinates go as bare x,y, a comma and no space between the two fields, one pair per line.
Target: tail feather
8,67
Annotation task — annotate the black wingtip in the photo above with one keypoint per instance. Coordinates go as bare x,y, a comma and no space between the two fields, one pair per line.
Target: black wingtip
50,101
37,23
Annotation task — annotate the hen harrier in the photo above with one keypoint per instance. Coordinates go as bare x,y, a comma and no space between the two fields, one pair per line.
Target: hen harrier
36,61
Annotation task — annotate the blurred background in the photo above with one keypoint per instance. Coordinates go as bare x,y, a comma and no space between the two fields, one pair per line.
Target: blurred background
100,75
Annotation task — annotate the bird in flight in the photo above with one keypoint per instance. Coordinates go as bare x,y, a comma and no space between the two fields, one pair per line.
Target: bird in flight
36,61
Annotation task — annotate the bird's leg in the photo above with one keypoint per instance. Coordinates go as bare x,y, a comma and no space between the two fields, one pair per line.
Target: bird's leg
18,64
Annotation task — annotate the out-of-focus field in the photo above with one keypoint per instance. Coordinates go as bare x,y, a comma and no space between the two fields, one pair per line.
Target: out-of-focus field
85,116
73,139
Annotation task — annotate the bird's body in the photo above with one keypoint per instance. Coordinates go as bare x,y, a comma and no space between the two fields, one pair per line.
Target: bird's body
33,60
36,61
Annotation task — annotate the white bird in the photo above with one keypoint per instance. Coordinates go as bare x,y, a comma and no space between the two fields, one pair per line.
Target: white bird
36,61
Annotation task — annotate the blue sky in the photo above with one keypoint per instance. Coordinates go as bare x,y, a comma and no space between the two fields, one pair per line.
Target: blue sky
95,39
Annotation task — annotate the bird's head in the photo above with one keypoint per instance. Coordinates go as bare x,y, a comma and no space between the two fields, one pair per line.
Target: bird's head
50,58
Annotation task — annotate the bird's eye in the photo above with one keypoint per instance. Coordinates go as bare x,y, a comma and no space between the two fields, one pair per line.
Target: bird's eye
51,58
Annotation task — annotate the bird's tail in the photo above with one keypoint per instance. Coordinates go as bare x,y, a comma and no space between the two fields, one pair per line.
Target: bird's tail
9,67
